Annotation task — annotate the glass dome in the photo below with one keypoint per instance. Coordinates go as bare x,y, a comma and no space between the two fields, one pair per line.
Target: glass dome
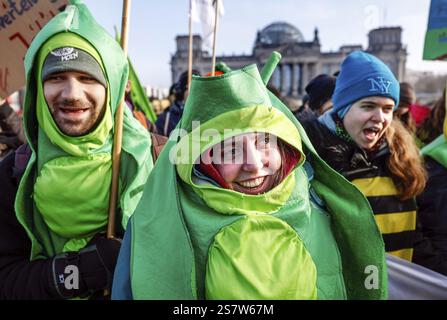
279,33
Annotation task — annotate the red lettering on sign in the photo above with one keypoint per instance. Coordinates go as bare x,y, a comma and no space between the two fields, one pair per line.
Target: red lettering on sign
38,25
4,73
21,39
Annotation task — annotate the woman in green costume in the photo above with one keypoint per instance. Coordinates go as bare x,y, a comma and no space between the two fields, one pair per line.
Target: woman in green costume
245,208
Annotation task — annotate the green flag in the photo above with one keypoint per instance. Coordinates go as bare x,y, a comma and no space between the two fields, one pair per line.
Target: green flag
139,97
137,92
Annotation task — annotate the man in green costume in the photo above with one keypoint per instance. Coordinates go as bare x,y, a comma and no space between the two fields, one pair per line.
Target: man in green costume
54,203
278,224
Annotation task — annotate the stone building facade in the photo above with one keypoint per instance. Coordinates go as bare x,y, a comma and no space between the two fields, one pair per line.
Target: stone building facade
301,60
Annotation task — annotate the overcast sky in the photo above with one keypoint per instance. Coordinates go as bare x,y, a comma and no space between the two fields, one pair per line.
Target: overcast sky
155,24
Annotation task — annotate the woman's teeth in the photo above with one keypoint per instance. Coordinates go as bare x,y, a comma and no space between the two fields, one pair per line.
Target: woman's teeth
371,131
252,183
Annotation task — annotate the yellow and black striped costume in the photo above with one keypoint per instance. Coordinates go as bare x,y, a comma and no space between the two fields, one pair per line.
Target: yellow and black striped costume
396,219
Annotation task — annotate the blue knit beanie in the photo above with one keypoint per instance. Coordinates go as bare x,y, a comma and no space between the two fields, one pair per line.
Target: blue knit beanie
363,75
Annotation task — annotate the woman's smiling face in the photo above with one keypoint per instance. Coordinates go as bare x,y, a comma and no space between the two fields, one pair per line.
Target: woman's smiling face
250,162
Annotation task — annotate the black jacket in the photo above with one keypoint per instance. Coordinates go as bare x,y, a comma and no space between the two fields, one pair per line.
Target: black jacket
19,278
11,130
355,165
167,121
433,206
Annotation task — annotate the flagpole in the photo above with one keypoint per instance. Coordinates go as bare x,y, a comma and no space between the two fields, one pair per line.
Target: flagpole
190,45
216,21
118,137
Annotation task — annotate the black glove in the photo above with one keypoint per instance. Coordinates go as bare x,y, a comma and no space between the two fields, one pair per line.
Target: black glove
95,263
10,139
5,111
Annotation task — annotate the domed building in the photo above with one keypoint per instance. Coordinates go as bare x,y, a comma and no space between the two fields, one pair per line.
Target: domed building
301,60
277,34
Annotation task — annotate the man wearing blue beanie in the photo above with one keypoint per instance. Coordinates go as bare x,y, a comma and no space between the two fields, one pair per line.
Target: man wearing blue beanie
359,139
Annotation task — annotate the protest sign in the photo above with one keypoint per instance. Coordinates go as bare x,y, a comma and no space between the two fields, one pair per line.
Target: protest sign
20,21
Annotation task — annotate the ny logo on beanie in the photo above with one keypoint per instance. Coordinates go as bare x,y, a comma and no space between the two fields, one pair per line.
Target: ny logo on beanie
379,85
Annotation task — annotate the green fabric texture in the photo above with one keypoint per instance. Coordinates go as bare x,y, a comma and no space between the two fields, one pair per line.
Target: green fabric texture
62,198
203,223
241,265
139,97
437,150
227,201
181,223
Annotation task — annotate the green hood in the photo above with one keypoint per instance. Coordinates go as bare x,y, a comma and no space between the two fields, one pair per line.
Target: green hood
175,220
71,168
232,108
437,149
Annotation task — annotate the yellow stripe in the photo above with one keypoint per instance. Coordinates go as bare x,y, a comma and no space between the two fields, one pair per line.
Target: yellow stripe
396,222
406,254
377,186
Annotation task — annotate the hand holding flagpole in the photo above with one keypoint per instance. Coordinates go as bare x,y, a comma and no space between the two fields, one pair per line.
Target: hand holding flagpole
118,137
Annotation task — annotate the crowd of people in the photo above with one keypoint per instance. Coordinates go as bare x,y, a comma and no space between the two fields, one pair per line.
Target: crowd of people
256,202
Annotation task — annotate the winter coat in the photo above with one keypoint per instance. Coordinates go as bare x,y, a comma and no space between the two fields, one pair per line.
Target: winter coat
396,219
167,121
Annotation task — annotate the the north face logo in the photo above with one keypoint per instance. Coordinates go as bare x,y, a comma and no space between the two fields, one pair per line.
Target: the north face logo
66,53
379,85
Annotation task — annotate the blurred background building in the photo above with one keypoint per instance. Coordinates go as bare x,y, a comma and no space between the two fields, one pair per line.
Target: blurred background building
301,60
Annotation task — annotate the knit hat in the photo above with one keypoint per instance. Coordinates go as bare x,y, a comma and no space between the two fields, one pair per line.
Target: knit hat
72,59
363,75
320,90
179,88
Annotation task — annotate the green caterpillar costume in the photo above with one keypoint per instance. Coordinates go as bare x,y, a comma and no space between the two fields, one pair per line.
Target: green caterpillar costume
62,201
437,149
199,241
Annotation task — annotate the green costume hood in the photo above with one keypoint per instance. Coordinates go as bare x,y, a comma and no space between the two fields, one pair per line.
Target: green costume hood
63,195
437,149
181,234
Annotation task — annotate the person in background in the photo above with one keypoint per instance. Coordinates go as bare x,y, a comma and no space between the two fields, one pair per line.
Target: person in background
359,139
407,99
432,127
11,129
320,91
319,94
432,202
167,121
139,115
